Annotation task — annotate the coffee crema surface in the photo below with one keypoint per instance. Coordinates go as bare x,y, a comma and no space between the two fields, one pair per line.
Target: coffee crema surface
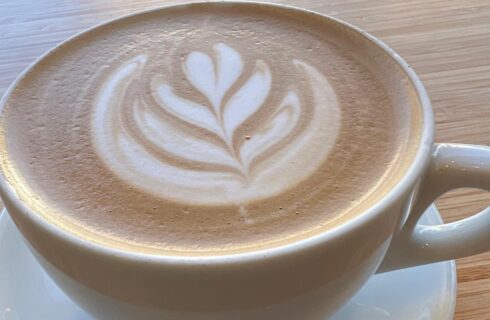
208,128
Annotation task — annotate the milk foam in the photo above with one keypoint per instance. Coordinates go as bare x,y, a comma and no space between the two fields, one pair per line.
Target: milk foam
208,129
210,171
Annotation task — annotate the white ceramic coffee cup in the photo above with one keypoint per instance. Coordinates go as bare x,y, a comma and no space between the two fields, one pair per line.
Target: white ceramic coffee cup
308,279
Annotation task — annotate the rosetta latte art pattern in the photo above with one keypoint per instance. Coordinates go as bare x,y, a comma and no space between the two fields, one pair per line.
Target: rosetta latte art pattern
191,152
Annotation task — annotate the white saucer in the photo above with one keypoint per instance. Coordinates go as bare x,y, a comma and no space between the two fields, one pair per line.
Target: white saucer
421,293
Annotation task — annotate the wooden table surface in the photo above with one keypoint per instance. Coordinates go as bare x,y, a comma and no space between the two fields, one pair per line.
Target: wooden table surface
447,43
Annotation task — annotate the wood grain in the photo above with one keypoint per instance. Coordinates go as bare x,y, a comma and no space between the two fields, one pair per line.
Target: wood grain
447,43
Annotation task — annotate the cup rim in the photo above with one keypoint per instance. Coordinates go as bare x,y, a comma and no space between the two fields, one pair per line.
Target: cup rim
410,176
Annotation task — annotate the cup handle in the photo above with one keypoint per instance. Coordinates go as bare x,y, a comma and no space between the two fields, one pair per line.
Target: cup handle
452,166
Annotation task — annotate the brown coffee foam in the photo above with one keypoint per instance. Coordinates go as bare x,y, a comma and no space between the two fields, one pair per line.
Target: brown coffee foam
48,149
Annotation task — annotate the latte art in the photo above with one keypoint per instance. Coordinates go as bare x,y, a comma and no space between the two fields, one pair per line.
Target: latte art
156,142
207,129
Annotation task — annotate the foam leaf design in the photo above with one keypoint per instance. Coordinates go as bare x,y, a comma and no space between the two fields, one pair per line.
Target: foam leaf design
214,80
215,77
248,99
198,147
